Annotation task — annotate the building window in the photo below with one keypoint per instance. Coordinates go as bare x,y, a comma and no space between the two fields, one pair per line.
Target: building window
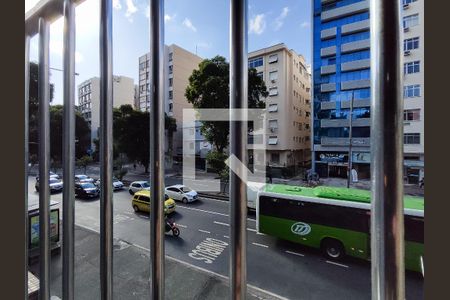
170,94
411,44
170,81
273,107
273,58
410,21
411,91
307,113
170,56
171,69
408,1
411,138
273,91
306,126
273,140
273,125
411,115
412,67
273,75
255,62
170,107
142,66
275,158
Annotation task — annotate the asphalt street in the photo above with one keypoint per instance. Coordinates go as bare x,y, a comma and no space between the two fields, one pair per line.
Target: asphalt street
281,267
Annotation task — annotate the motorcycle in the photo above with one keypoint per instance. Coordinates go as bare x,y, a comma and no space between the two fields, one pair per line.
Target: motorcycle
171,226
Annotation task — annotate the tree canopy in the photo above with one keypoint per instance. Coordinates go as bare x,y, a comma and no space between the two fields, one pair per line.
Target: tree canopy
209,88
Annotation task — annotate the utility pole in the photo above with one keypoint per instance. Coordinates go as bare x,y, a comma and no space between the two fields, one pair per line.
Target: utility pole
350,141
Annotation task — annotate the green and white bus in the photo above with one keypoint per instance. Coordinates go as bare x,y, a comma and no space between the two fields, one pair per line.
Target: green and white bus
335,220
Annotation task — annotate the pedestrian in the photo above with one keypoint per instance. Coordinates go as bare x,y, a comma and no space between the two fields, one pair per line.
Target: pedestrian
422,182
134,166
270,177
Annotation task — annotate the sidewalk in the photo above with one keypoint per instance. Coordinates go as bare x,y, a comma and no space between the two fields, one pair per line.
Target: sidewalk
132,271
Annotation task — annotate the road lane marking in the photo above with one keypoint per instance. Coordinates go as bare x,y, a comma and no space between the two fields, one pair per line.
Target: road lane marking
337,264
260,245
249,219
226,236
221,223
205,231
202,210
182,226
294,253
208,250
252,230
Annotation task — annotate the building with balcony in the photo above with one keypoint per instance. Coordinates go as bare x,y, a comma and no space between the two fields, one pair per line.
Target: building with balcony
288,105
341,76
89,100
178,66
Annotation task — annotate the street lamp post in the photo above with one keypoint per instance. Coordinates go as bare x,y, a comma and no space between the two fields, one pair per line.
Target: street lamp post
350,141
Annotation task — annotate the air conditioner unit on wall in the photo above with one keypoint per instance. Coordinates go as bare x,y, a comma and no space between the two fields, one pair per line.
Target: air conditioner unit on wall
406,29
406,6
407,53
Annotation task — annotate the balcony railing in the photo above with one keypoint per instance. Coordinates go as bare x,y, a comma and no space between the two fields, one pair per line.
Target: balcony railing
387,108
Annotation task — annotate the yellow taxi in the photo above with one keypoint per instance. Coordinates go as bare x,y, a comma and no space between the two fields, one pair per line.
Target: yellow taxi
141,202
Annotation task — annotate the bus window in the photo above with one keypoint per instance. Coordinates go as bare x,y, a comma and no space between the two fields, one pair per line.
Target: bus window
414,229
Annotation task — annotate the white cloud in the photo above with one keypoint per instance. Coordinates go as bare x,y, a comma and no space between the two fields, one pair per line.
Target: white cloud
117,5
305,24
279,21
168,18
257,24
131,9
189,25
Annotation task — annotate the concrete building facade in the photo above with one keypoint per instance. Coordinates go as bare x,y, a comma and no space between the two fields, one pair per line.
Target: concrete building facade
341,76
179,64
89,100
288,105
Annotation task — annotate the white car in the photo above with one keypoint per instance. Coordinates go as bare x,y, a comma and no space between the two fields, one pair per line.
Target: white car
117,184
136,186
181,193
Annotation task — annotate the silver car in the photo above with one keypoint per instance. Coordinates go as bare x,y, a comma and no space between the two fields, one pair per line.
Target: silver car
136,186
181,193
56,185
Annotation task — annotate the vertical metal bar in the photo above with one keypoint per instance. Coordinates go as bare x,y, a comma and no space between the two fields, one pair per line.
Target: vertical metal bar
26,132
157,147
106,151
238,136
44,160
388,272
69,151
350,136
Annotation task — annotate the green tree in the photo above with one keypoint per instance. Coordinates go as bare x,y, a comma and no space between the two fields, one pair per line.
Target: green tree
209,88
132,133
84,161
82,134
33,113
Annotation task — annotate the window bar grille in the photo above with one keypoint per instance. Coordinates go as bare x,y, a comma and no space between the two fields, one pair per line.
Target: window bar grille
69,151
387,230
106,151
238,134
44,160
26,131
156,93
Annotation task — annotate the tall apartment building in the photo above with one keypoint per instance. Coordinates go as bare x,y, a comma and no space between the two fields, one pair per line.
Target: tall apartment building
89,99
178,66
341,76
288,104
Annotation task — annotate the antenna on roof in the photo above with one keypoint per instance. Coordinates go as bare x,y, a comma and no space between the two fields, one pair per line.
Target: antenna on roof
195,49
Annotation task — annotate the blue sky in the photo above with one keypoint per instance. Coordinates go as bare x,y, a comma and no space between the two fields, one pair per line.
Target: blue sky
191,24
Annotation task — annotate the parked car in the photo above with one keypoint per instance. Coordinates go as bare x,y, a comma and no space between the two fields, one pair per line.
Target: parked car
137,186
52,175
181,193
86,190
83,178
141,202
117,184
56,185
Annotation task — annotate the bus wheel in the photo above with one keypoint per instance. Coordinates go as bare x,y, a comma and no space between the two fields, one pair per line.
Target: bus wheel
333,248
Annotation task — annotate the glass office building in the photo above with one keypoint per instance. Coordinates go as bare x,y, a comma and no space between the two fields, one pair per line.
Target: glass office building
341,79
